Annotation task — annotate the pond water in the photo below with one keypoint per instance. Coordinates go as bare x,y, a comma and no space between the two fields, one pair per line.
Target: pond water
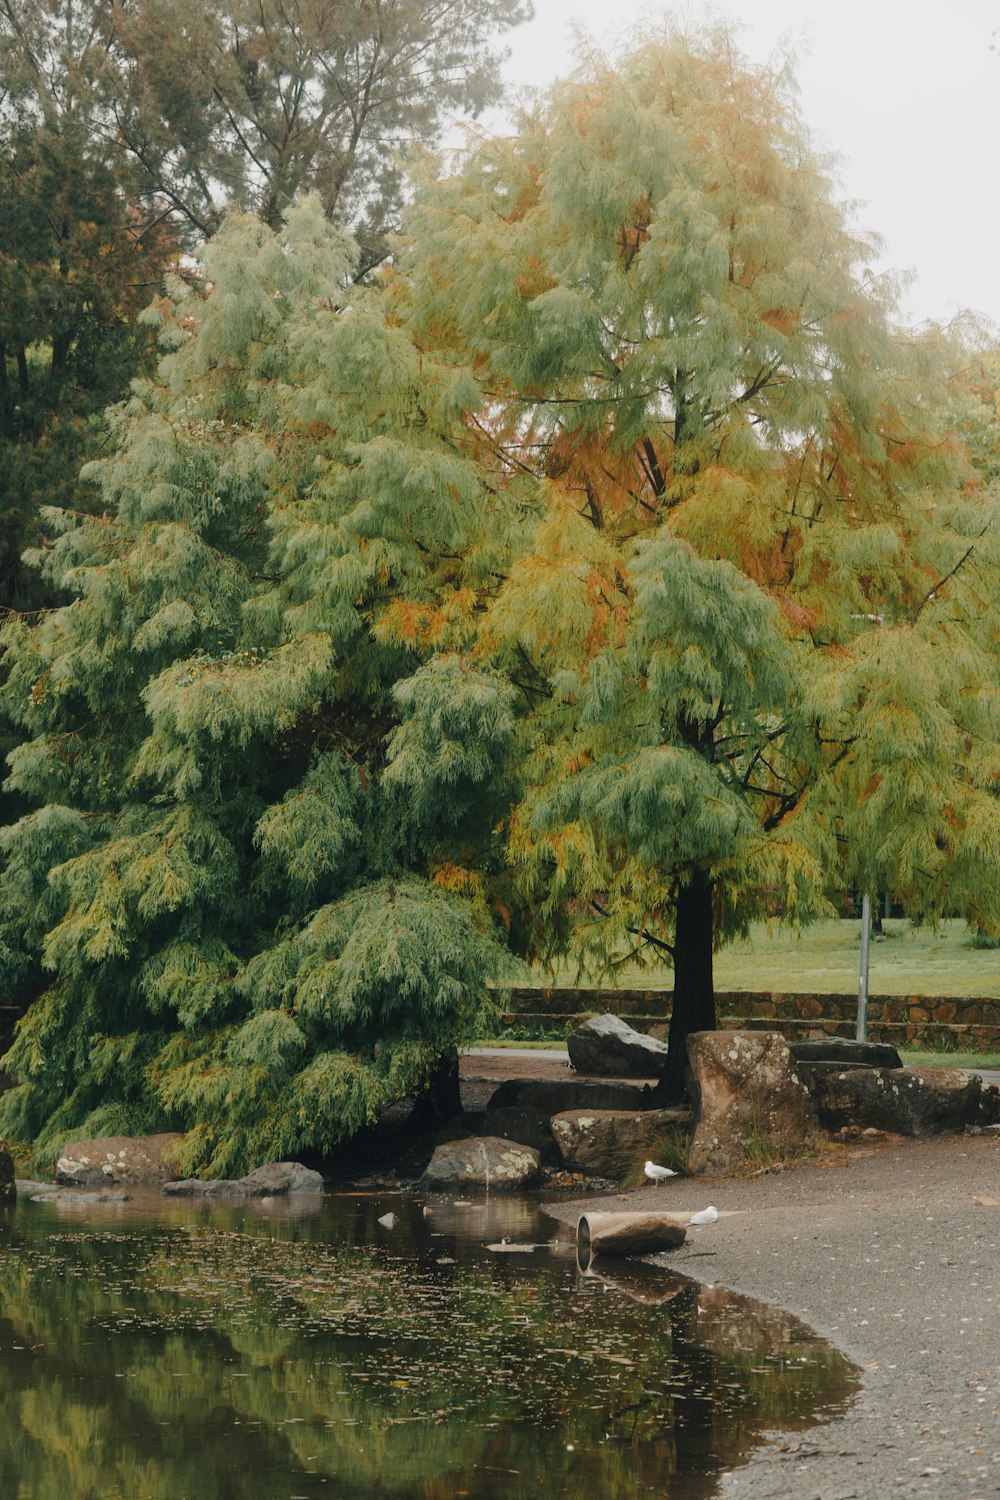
159,1350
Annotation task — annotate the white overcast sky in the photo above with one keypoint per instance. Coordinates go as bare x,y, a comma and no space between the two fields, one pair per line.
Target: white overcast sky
905,92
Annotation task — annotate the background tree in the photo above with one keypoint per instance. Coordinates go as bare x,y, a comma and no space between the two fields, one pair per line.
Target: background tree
233,102
78,261
753,622
240,917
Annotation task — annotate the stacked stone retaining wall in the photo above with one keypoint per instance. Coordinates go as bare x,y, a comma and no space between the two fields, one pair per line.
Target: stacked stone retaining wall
914,1020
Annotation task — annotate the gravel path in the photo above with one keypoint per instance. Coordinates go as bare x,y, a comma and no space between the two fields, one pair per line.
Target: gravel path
887,1253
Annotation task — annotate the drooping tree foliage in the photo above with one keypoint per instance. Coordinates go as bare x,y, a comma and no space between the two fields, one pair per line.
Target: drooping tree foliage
126,130
241,920
753,620
610,577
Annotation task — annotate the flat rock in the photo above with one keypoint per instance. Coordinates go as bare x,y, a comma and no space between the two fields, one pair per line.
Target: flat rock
752,1106
610,1047
906,1101
79,1197
118,1158
184,1187
612,1143
270,1181
845,1052
555,1096
482,1161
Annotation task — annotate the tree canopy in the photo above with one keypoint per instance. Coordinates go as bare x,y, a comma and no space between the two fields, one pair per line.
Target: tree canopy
226,881
608,578
753,615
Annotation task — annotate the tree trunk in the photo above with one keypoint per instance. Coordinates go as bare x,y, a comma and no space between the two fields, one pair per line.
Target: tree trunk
61,344
442,1099
694,991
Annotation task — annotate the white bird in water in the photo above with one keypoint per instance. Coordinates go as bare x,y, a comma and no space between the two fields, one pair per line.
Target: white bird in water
658,1174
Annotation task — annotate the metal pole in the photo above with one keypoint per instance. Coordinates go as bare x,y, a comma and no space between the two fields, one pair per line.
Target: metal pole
866,928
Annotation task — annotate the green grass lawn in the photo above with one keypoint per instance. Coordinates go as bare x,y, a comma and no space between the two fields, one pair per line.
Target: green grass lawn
824,960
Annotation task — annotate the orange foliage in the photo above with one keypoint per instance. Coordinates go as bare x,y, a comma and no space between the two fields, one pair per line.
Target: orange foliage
458,880
871,788
614,488
766,563
782,319
527,197
535,280
610,614
635,231
408,624
797,615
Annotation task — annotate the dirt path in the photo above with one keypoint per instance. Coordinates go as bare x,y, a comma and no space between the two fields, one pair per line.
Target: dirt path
893,1254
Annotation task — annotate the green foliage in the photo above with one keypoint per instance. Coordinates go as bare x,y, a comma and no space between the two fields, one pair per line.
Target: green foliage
752,612
237,903
607,580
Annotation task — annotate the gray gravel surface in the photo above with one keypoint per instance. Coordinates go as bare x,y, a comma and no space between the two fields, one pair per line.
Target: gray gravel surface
886,1252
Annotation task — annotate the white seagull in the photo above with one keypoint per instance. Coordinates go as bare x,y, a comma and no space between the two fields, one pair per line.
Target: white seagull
658,1174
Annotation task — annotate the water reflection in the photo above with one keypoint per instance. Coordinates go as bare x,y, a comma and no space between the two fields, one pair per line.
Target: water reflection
189,1352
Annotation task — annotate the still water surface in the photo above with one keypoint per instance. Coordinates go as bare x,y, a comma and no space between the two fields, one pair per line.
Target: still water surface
160,1350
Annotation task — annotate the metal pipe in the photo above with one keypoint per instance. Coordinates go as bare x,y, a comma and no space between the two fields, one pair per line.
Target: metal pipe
866,929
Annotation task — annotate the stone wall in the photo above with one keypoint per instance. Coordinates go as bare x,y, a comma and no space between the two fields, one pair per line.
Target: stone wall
917,1020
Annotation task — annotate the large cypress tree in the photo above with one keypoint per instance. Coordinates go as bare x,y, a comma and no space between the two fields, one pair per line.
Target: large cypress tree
239,919
753,620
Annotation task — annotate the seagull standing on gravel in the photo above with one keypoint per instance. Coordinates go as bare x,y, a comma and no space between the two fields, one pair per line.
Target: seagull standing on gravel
657,1174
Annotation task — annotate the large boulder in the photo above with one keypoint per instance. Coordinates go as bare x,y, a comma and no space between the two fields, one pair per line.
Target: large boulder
612,1143
273,1180
906,1101
281,1177
483,1161
554,1096
752,1108
128,1159
845,1052
610,1047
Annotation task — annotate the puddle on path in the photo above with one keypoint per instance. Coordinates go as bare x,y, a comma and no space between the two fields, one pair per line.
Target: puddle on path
165,1351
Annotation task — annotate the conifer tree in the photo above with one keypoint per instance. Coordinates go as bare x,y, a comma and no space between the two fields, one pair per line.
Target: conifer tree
753,618
78,261
235,890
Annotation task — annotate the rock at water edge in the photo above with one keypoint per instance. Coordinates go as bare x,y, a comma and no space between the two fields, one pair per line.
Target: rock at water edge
482,1161
752,1108
612,1143
127,1159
